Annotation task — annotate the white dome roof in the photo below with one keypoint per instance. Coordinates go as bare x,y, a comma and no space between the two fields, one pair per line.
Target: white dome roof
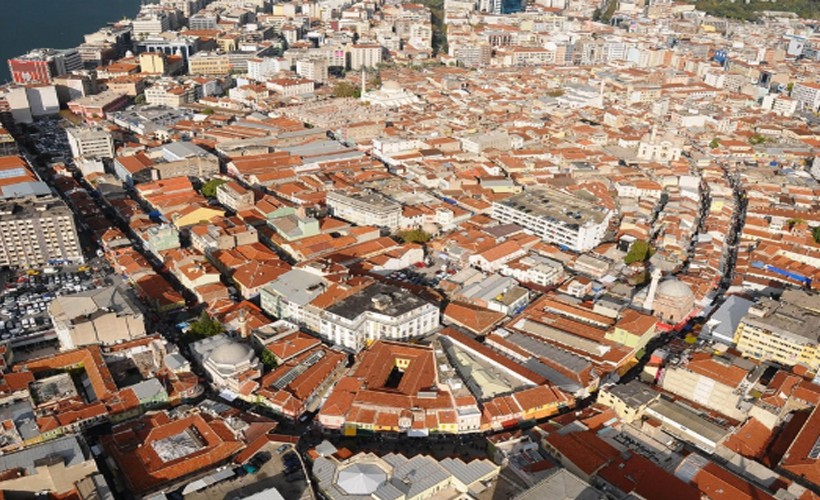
675,289
361,479
231,353
391,86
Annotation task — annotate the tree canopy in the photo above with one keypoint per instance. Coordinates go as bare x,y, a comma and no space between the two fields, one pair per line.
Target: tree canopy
816,234
268,359
346,89
205,326
209,188
807,9
757,139
640,251
414,236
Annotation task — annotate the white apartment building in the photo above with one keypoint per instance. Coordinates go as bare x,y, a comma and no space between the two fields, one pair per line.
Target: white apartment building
556,217
314,68
365,55
365,209
151,24
808,94
90,143
291,87
261,68
36,231
169,94
235,197
378,312
290,295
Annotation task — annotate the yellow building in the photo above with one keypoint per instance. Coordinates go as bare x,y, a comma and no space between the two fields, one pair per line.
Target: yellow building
784,331
628,401
633,329
194,215
152,63
209,63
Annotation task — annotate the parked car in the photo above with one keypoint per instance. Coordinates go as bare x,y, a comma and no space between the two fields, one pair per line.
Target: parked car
260,458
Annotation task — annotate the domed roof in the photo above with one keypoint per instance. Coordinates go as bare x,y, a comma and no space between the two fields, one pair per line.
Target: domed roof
231,353
675,289
391,86
361,479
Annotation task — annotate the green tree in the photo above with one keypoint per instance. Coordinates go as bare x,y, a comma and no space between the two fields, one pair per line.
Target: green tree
346,89
207,111
757,139
140,99
714,144
640,251
439,28
414,236
209,188
748,11
268,359
205,326
816,234
789,87
606,15
794,221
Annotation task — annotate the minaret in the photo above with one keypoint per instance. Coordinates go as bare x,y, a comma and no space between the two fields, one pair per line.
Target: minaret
243,324
649,303
364,85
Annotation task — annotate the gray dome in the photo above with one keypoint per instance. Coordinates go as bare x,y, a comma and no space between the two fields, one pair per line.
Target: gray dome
231,353
391,86
361,479
675,289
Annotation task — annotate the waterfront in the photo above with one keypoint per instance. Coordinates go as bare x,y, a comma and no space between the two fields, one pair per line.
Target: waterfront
54,23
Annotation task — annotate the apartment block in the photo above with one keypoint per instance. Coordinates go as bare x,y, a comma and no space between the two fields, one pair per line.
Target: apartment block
378,312
90,143
365,209
209,63
783,331
556,217
35,231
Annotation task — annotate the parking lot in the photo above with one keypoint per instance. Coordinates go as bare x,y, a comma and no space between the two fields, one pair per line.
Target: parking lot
25,297
269,474
422,274
49,135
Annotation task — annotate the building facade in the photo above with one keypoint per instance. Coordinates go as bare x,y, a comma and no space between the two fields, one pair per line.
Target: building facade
783,331
34,232
556,217
378,312
365,209
91,143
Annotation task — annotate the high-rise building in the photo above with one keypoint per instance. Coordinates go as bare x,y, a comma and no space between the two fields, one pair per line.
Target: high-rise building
90,143
365,55
314,68
41,65
37,230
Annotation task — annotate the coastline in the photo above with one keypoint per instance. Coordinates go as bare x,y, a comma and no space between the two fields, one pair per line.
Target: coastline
58,24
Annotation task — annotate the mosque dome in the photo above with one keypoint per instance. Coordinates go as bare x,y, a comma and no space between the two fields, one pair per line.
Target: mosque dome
675,289
391,86
231,354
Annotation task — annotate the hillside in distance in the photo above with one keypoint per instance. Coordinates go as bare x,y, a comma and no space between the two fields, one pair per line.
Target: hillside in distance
807,9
